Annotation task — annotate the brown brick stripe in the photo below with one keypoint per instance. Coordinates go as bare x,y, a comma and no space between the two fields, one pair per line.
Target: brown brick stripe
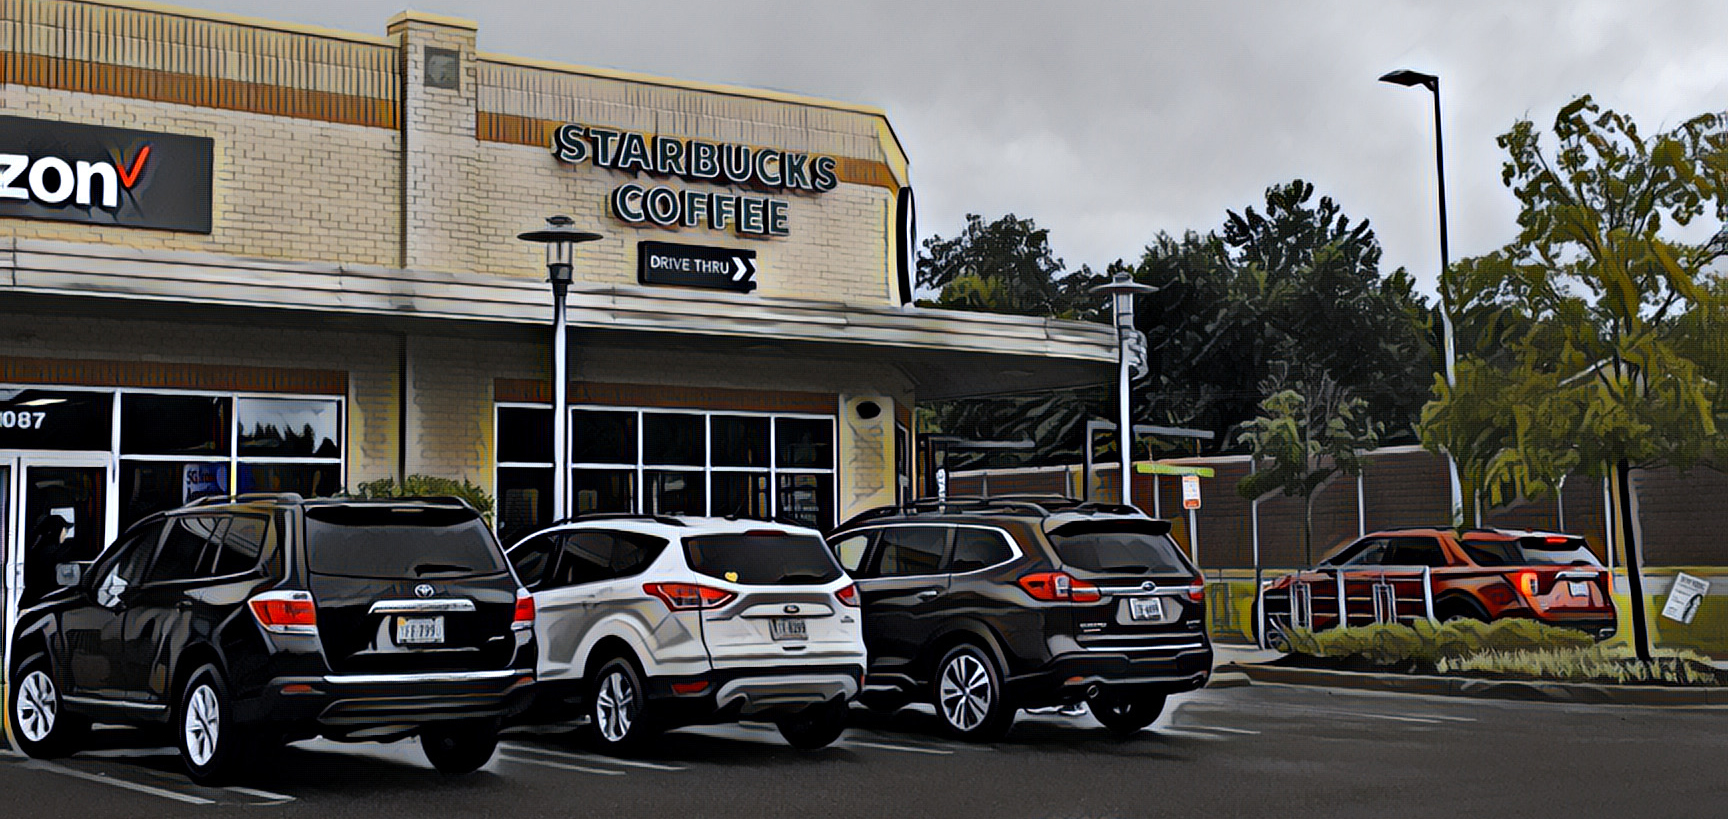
97,373
187,89
648,395
520,130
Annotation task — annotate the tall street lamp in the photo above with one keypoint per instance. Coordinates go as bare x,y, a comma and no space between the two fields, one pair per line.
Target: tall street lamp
1408,78
1122,289
560,239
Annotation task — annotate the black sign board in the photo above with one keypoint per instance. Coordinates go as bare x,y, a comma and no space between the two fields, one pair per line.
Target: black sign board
104,176
715,268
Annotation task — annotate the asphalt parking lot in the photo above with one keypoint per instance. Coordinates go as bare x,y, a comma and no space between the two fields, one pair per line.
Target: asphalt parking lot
1259,750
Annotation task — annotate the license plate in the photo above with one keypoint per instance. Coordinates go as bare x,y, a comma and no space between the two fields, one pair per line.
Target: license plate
787,628
414,631
1579,588
1145,608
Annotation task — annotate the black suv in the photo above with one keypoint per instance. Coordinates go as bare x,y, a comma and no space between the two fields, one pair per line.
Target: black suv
982,607
242,625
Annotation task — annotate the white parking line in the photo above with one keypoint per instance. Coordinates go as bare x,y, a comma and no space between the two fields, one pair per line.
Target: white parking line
1222,729
603,760
1180,732
547,763
270,797
118,783
885,746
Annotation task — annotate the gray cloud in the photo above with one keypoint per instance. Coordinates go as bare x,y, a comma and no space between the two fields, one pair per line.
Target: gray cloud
1108,122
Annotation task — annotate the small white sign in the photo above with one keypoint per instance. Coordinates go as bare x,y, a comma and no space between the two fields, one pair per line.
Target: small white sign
1190,491
1684,597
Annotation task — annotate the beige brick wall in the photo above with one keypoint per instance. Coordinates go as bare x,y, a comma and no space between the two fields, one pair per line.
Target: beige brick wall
283,187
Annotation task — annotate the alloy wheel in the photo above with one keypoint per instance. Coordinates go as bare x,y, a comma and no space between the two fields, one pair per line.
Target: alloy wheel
613,706
38,706
965,692
203,724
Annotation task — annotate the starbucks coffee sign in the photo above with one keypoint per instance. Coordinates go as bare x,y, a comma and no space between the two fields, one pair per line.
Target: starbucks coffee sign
770,170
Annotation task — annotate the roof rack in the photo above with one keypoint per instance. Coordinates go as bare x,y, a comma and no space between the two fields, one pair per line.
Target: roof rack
669,520
248,497
954,504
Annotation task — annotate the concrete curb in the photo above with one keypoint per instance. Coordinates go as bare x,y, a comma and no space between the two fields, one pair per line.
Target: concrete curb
1590,693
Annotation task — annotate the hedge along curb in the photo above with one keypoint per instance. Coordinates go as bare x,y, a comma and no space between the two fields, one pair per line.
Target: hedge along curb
1588,693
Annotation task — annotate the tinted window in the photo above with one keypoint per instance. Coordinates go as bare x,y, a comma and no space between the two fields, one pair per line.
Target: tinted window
587,558
1531,551
174,425
739,440
1414,551
1119,552
239,547
909,550
525,435
804,442
673,439
43,419
399,542
850,550
126,568
632,552
530,558
1360,553
762,560
603,437
183,550
976,549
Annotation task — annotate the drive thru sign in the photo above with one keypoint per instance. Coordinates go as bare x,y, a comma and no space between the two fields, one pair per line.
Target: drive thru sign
1190,491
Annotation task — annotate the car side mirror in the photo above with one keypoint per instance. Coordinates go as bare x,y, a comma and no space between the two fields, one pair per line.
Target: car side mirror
70,575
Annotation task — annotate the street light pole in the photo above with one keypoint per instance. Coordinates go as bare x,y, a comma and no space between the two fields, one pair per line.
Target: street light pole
1122,289
561,239
1408,78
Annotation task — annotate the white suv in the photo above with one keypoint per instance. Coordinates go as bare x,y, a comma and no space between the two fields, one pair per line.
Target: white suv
648,623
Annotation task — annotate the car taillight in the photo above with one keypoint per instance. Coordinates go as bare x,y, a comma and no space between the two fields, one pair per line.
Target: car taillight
848,596
285,612
1526,583
1059,586
1197,590
688,596
523,619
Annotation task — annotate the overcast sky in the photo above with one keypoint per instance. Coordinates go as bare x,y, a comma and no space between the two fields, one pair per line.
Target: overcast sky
1109,122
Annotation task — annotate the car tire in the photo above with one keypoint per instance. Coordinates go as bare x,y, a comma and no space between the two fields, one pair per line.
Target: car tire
618,714
816,727
971,702
212,745
1459,608
40,722
461,747
1127,715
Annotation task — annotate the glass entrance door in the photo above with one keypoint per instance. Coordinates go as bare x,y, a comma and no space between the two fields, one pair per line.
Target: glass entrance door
54,510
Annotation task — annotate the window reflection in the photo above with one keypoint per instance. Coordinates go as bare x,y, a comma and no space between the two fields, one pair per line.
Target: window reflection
286,427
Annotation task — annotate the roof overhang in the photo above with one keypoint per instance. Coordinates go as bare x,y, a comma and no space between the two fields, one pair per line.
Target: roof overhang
943,353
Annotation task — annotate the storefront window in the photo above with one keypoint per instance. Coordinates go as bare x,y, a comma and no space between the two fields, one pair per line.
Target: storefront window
524,499
741,494
803,442
808,499
174,424
55,419
310,480
670,439
739,440
603,490
601,437
287,427
524,435
675,493
152,486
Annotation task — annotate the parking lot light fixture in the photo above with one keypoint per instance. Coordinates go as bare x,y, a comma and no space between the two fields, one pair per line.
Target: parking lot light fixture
1122,289
560,236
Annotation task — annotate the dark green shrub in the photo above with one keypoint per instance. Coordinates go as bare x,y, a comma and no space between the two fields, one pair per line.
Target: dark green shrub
422,486
1427,645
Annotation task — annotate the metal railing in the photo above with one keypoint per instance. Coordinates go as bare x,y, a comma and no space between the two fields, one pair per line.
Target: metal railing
1348,596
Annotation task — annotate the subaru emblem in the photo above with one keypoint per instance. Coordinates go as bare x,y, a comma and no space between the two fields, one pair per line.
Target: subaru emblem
1148,586
424,590
790,609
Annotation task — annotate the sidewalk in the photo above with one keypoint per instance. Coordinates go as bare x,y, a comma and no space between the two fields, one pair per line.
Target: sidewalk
1241,654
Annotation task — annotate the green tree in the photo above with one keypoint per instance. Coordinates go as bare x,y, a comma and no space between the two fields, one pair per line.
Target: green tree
1304,437
1005,266
423,486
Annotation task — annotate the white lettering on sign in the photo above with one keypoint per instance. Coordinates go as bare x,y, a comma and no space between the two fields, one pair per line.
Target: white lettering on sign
51,180
22,419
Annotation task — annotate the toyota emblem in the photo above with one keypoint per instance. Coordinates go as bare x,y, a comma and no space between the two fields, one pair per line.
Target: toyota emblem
424,590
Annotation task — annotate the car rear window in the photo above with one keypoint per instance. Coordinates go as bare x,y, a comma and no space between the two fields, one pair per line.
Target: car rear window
1118,549
400,542
762,560
1552,550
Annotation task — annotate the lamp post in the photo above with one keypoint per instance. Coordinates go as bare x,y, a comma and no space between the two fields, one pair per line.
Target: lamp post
1408,79
560,239
1122,289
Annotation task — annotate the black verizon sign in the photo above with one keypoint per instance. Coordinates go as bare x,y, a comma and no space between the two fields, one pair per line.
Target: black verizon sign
104,176
715,268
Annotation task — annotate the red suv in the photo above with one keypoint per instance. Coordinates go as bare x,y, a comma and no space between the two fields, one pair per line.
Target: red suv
1401,575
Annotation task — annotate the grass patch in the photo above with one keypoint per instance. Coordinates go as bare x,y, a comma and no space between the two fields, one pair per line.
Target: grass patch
1504,649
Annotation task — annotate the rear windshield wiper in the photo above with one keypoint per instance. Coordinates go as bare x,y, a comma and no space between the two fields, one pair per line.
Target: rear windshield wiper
804,578
1129,569
439,568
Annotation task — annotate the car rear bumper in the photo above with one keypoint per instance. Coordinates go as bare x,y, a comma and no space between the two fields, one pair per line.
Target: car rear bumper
358,705
1071,677
728,694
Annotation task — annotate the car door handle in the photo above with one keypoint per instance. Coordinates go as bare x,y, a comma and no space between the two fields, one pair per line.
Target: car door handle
929,594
